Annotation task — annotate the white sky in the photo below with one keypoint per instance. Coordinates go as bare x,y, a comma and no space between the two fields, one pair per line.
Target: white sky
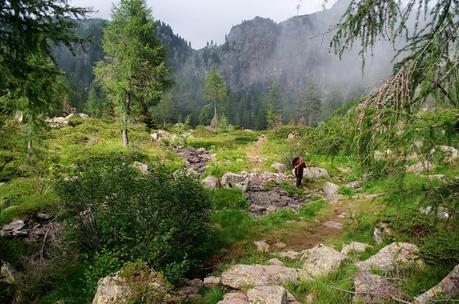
200,21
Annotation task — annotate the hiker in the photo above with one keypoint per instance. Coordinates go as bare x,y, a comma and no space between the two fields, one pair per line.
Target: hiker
298,167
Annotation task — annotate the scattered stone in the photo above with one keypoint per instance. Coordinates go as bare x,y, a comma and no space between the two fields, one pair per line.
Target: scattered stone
371,288
210,182
195,158
441,212
291,136
265,202
320,261
340,214
436,177
262,246
234,298
378,236
448,153
57,122
233,180
279,245
275,261
212,281
279,167
331,191
240,275
267,295
447,288
43,216
333,225
354,185
345,170
365,196
391,257
190,291
421,166
355,247
315,173
110,289
143,168
15,228
291,255
7,273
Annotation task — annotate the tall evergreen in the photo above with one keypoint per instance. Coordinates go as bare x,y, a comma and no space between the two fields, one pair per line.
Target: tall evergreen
215,92
133,74
29,79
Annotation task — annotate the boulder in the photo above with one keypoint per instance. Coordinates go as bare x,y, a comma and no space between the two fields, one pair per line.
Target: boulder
210,182
315,172
354,185
333,225
331,191
355,247
111,289
291,136
381,231
7,273
420,167
143,168
279,245
234,298
267,295
264,202
212,281
447,288
241,275
279,167
190,291
262,246
371,288
320,261
233,180
391,257
15,228
441,212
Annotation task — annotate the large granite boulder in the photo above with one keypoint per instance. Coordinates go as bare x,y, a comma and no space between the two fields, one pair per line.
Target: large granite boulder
374,289
268,295
315,173
320,261
447,288
241,275
235,298
210,182
233,180
391,257
331,191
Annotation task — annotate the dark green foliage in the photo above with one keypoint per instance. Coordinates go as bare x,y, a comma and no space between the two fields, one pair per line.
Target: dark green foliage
216,93
134,73
160,218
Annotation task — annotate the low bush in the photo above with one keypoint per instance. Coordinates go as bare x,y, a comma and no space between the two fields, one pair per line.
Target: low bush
160,217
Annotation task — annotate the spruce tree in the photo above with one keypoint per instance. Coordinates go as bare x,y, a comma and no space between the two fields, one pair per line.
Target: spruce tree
133,74
215,92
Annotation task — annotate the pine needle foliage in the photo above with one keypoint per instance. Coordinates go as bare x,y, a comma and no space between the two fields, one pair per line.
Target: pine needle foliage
134,73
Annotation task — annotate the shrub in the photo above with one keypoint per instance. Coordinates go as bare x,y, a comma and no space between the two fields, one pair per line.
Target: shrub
160,217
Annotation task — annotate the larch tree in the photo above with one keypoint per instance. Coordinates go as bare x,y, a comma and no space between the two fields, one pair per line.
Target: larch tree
134,73
215,92
30,82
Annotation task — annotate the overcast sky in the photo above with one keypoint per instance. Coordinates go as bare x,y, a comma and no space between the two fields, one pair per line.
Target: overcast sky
200,21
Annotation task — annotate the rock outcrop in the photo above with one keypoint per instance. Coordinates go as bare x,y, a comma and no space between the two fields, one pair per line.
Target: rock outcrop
232,180
320,261
196,159
210,182
392,256
315,173
241,275
374,289
267,295
331,191
447,288
355,247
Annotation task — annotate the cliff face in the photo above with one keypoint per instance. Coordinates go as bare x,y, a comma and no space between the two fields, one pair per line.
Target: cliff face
259,52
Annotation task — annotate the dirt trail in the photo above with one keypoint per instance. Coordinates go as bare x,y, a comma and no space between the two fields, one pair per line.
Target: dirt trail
254,154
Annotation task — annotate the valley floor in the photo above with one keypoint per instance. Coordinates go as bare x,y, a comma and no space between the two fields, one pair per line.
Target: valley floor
331,214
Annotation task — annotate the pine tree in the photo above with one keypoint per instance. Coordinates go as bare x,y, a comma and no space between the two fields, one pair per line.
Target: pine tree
30,83
274,102
96,104
133,74
215,92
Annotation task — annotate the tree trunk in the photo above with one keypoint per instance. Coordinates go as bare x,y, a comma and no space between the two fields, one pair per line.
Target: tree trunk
125,122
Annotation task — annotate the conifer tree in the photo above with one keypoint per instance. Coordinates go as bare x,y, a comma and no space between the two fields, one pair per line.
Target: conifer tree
133,74
215,92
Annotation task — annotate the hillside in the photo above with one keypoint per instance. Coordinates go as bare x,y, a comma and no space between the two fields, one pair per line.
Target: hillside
257,55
